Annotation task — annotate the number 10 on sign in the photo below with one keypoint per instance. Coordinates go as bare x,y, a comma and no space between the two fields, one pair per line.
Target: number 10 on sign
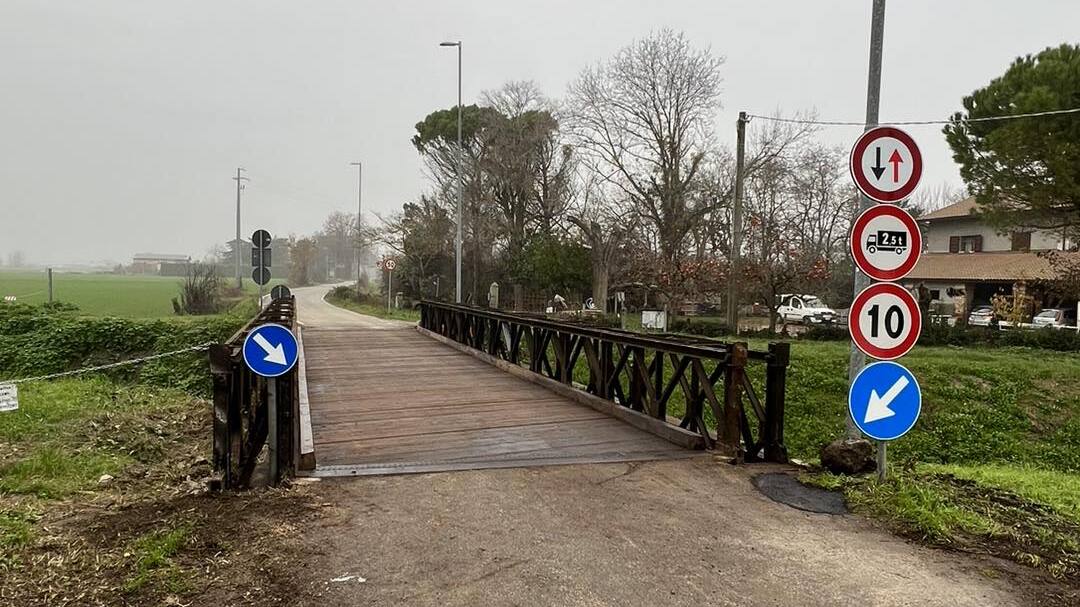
884,321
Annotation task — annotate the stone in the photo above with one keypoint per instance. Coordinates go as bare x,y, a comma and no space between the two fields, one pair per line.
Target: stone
105,479
848,456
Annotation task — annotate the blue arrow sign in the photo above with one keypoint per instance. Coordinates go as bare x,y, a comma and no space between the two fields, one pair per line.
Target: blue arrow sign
270,350
884,400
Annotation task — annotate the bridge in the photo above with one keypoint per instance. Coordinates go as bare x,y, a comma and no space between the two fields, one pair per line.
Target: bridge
470,388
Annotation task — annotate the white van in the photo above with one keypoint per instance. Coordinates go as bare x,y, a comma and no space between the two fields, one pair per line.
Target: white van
804,309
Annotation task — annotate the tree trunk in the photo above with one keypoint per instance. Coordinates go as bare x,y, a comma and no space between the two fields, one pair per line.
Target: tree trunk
600,285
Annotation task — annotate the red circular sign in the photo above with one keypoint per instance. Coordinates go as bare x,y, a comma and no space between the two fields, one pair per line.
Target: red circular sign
886,164
885,242
884,321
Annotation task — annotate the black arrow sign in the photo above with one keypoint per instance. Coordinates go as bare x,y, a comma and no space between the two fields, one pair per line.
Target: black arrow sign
878,168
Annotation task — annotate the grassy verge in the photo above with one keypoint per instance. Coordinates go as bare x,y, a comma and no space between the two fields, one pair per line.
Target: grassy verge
977,509
379,311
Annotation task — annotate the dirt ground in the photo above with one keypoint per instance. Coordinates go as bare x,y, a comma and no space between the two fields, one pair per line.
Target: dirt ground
692,532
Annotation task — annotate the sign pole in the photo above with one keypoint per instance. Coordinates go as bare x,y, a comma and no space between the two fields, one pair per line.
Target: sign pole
389,287
857,359
272,428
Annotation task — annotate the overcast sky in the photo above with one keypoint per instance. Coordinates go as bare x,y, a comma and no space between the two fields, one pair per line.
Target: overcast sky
122,122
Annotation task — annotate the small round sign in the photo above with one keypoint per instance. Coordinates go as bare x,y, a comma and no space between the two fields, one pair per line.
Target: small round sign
884,321
885,242
280,292
390,264
884,400
261,276
270,350
261,239
886,164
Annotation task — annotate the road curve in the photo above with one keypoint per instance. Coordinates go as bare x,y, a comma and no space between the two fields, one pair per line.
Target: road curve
314,312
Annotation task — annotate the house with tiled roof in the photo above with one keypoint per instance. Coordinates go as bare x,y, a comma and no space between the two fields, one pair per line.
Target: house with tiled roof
966,261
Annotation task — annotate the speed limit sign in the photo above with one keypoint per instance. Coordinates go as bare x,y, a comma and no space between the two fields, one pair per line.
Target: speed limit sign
390,264
884,321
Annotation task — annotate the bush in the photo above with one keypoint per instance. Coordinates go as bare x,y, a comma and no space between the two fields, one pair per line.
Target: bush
39,340
932,335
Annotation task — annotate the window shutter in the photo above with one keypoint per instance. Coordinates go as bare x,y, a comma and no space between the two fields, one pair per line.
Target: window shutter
977,244
954,244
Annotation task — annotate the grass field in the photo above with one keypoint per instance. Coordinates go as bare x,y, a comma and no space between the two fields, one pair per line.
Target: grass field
379,311
100,294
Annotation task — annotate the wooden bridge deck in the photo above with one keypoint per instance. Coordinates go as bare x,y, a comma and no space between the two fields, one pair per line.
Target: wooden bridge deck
392,401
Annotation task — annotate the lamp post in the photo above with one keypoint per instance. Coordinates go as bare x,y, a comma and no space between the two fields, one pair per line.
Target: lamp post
359,221
460,177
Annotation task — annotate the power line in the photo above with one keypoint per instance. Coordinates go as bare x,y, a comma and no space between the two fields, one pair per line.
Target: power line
913,122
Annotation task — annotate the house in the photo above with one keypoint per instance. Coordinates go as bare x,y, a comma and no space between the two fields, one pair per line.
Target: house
965,261
162,264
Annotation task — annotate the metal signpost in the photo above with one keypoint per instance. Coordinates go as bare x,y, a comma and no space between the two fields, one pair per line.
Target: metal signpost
389,265
271,350
260,260
884,399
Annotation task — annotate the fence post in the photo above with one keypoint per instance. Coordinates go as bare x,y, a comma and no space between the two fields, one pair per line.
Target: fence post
728,428
219,373
775,388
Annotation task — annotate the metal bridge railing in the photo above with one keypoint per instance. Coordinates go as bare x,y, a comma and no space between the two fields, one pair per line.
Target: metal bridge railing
241,407
689,382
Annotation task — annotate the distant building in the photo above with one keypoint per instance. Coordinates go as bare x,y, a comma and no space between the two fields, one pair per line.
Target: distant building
160,264
966,262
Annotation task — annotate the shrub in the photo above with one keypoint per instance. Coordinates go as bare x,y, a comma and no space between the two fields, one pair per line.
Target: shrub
37,340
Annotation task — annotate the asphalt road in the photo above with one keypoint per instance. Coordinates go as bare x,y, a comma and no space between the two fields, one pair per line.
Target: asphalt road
313,311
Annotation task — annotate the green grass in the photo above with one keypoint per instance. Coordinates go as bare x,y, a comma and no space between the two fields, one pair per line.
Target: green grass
101,294
406,314
1058,490
153,553
67,433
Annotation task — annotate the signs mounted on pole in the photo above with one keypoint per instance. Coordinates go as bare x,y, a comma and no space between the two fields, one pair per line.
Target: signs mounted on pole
280,292
270,350
260,258
884,400
389,264
884,321
885,242
885,164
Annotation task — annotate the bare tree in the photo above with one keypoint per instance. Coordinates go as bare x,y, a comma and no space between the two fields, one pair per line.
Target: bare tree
645,116
604,231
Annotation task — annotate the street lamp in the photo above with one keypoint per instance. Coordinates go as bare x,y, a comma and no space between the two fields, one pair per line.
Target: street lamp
460,176
359,222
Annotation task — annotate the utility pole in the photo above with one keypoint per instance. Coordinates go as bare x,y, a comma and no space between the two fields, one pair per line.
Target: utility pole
873,98
736,226
359,221
237,253
50,286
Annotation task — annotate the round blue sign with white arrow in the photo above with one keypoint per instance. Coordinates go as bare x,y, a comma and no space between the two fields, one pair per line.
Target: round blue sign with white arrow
884,400
270,350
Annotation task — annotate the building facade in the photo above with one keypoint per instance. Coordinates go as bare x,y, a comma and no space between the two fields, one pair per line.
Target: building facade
966,262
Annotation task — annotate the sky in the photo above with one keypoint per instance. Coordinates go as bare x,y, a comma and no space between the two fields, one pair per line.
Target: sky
122,122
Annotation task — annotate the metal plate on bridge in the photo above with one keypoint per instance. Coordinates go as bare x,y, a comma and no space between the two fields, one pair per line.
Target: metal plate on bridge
280,292
261,239
261,276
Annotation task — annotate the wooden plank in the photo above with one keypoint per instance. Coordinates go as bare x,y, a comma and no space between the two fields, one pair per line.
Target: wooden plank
393,401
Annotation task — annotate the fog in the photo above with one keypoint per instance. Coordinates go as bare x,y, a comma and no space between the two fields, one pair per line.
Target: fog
122,122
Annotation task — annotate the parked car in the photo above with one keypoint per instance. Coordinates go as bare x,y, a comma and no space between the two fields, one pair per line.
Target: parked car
1055,318
804,309
981,316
